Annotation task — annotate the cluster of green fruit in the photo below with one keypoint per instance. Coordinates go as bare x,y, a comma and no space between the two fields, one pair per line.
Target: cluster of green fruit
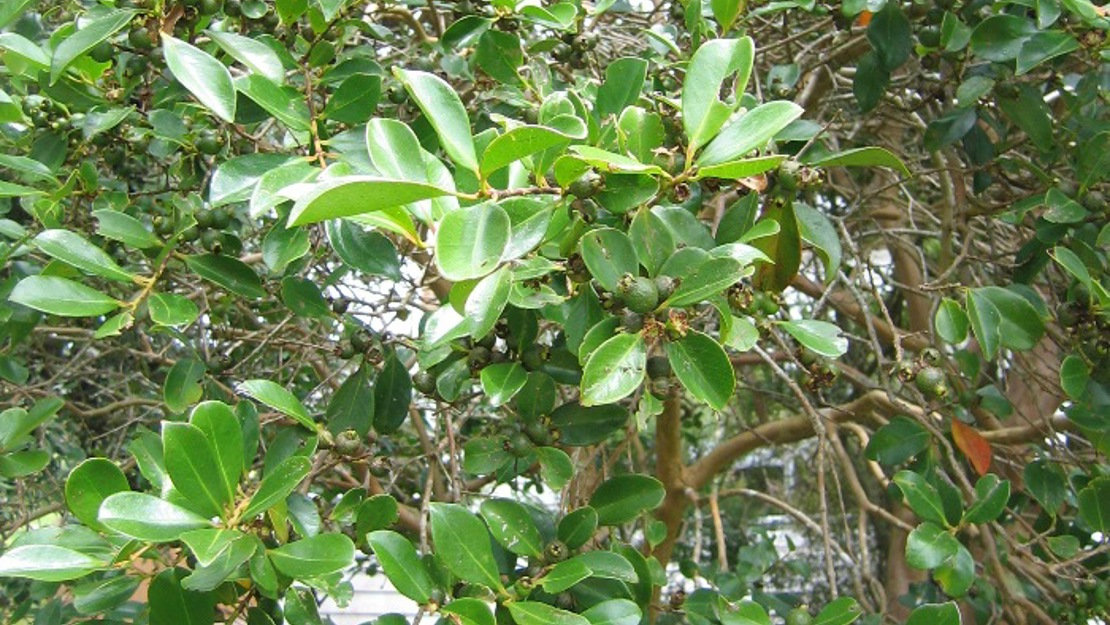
925,374
573,47
819,372
1088,603
743,299
484,352
1087,325
214,230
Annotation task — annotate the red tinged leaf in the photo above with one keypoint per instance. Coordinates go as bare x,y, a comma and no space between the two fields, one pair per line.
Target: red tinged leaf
864,18
974,446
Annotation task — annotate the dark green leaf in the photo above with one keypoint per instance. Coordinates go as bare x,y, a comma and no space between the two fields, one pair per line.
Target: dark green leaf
935,614
402,565
194,468
703,367
1094,504
85,39
368,251
170,604
841,611
614,370
230,273
622,498
392,396
536,613
204,77
62,297
278,483
991,496
890,35
928,546
609,254
352,406
221,427
463,543
277,397
753,130
820,337
73,249
319,555
499,55
578,425
47,563
182,387
578,527
921,496
146,517
898,441
703,113
89,484
446,113
511,525
358,195
624,79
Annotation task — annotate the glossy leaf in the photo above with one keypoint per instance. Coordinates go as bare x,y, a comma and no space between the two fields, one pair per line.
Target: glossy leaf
278,398
703,368
609,254
230,273
536,613
402,565
752,130
622,498
614,612
470,241
863,157
442,107
511,525
951,322
578,527
358,195
85,39
710,278
614,370
840,611
89,484
319,555
205,77
921,496
62,297
820,337
581,425
624,79
194,468
392,396
221,427
935,614
170,309
703,113
47,563
278,483
1074,375
524,141
148,518
463,543
502,381
1094,504
898,441
928,546
991,496
257,56
72,248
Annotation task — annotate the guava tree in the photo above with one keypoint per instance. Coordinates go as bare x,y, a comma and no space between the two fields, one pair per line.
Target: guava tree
505,301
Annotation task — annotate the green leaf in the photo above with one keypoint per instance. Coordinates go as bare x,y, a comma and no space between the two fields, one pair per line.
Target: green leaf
25,49
376,513
470,241
624,80
104,595
303,297
354,101
17,423
207,576
392,396
1045,481
614,612
285,104
898,441
1000,37
446,113
608,565
991,495
578,527
85,39
470,611
1072,264
23,463
816,229
182,387
564,575
579,425
512,526
739,169
73,249
863,157
651,239
640,132
500,382
47,563
609,254
257,56
487,301
1094,504
957,573
124,228
1074,375
358,195
951,322
985,321
194,468
89,484
841,611
726,12
499,55
614,370
463,543
928,546
1066,546
276,486
821,337
523,141
317,556
365,250
230,273
612,162
170,309
752,130
935,614
556,468
891,36
710,278
170,604
921,496
703,112
62,297
536,613
352,406
622,498
222,429
236,178
703,367
278,398
148,518
205,77
784,249
1019,325
402,565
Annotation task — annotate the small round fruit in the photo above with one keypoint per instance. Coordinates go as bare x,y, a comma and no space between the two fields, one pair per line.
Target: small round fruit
102,52
518,444
798,616
340,306
586,186
210,239
632,321
538,432
658,367
140,38
660,388
556,551
931,382
221,218
362,341
209,142
638,293
533,357
478,357
424,382
348,443
665,285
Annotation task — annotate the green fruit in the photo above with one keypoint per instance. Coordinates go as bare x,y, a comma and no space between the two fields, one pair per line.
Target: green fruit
221,218
340,306
190,234
587,185
140,38
519,445
362,341
478,357
424,382
929,36
555,551
233,8
638,293
660,388
658,367
931,382
209,7
533,357
210,239
538,432
209,142
798,616
102,52
204,218
665,285
632,321
348,443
